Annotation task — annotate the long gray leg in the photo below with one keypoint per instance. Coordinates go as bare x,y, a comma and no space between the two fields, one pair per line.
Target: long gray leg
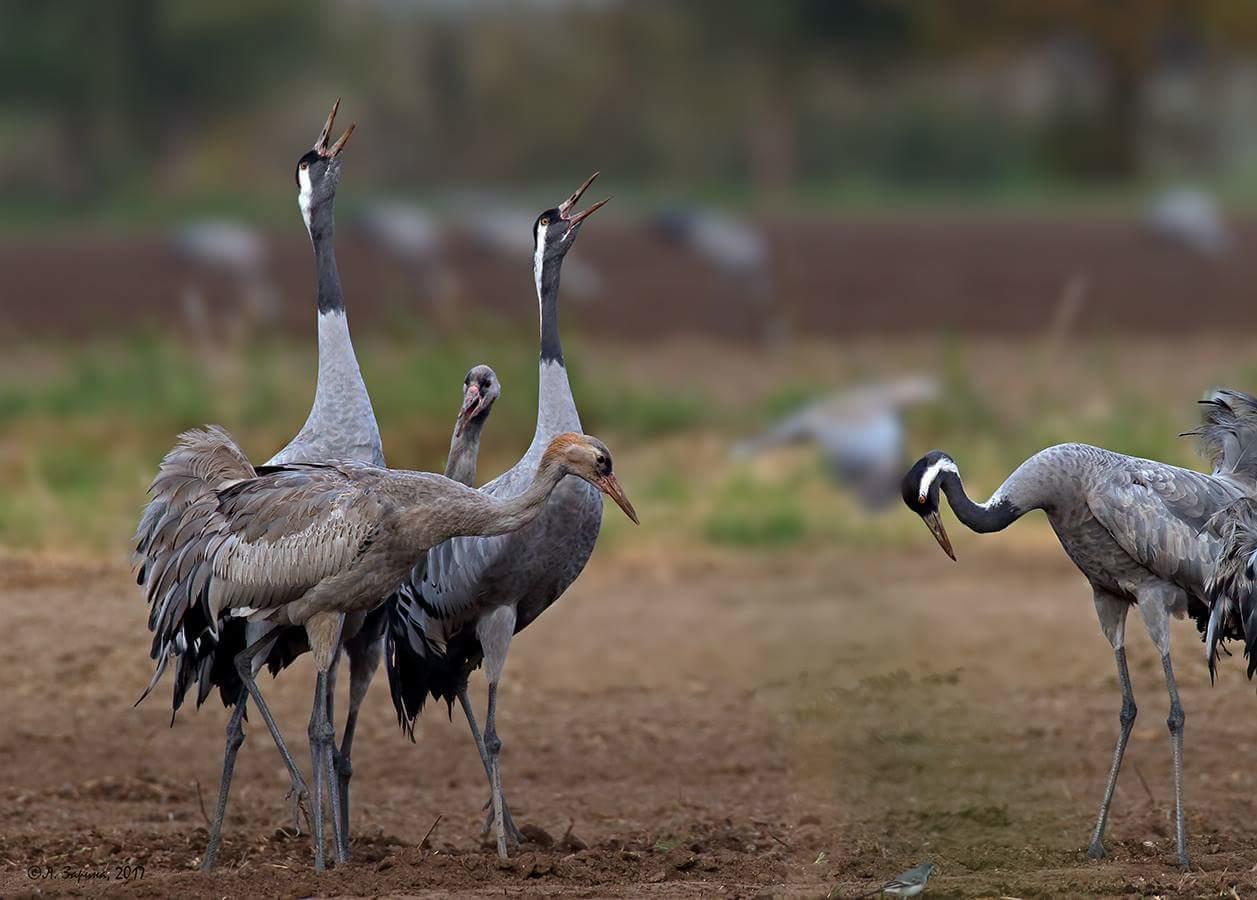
326,793
495,631
244,667
1127,720
235,737
364,659
513,834
1154,606
1175,723
1111,610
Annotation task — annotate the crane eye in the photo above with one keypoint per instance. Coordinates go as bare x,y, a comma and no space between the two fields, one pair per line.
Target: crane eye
545,220
304,166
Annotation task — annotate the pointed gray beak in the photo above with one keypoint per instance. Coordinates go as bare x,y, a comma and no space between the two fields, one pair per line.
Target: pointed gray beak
935,524
565,208
610,485
320,145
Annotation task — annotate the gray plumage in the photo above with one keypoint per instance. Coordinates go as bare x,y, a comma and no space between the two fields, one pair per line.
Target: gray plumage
1135,528
303,544
473,595
341,425
859,433
906,884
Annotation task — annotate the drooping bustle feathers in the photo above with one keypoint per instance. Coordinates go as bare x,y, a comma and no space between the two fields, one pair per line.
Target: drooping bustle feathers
184,491
1228,433
1231,585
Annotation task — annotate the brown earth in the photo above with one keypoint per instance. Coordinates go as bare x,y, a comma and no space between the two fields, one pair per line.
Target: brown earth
1000,275
802,725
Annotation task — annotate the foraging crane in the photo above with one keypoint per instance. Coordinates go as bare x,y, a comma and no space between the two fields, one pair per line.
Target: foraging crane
341,425
472,596
859,433
237,251
1133,527
303,544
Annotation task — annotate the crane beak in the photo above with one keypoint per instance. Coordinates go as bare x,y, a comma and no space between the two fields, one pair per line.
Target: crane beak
472,403
610,485
565,208
935,524
321,147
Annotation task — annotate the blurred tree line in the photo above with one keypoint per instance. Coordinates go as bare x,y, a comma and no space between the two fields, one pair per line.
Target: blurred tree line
169,95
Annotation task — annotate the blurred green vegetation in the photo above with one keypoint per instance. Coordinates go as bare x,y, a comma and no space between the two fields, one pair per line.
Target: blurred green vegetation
142,111
82,427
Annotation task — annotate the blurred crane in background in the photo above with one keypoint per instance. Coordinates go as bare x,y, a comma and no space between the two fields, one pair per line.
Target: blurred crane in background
859,432
411,236
219,249
738,252
1190,218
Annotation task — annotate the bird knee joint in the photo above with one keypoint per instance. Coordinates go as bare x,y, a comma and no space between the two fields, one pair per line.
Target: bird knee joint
344,768
321,731
492,743
1128,713
1176,720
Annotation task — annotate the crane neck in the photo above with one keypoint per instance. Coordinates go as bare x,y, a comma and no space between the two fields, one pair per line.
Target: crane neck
995,514
546,272
508,515
464,453
322,236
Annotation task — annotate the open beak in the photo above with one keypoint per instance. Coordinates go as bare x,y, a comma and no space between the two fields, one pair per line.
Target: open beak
472,403
610,485
565,208
935,524
321,147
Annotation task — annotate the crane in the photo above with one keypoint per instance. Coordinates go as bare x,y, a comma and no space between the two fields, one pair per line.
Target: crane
1135,529
304,544
472,596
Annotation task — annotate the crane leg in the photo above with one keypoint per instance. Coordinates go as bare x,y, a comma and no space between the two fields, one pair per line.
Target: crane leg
1175,723
1127,720
299,793
362,667
235,737
326,790
513,834
493,746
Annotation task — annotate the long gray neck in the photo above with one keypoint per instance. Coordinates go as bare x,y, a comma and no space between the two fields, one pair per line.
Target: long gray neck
493,516
1046,479
322,235
556,408
460,465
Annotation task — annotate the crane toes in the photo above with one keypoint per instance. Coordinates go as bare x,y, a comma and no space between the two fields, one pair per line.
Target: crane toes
1096,851
299,805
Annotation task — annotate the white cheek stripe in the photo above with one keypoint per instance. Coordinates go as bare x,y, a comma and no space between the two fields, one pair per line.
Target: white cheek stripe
304,195
943,465
537,260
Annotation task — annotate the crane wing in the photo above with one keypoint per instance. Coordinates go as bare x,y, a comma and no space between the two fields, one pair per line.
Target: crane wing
1158,513
245,546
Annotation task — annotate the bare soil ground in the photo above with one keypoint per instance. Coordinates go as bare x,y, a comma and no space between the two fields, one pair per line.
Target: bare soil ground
1003,275
804,725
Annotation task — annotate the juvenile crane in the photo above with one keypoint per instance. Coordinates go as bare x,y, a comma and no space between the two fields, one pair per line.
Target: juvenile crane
1135,529
341,425
303,544
472,596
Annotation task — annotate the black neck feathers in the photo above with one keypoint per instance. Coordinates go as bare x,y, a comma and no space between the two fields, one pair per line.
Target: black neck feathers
983,519
551,348
330,297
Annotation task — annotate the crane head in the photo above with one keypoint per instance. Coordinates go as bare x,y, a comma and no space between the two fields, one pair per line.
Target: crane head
587,457
480,390
555,229
318,171
920,493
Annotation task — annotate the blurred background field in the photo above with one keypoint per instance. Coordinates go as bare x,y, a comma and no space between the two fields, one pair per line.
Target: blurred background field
1045,210
1036,204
